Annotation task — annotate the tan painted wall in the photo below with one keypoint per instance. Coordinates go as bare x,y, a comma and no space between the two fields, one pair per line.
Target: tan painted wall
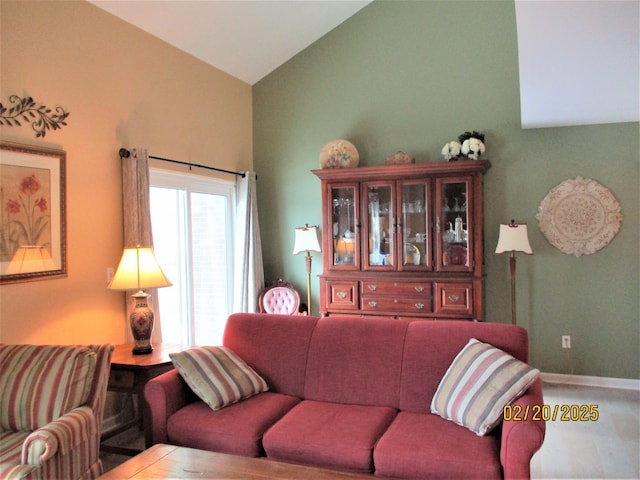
122,87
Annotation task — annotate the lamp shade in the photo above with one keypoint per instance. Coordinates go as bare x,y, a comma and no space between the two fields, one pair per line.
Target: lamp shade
138,269
306,240
513,238
29,258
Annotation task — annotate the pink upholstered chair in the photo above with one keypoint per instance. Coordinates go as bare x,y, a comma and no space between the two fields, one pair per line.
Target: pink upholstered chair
280,298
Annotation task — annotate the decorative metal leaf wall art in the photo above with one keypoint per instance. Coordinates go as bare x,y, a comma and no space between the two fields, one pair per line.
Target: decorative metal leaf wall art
27,110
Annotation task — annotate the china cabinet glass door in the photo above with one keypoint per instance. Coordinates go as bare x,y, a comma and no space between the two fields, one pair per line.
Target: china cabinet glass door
346,249
379,227
453,211
415,236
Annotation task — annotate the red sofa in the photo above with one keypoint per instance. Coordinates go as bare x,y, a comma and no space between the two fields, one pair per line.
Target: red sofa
352,395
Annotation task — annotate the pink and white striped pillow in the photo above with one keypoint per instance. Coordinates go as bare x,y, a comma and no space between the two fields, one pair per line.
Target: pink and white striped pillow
479,383
217,375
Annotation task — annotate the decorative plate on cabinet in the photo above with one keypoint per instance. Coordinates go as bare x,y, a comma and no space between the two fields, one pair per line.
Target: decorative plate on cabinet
339,154
579,217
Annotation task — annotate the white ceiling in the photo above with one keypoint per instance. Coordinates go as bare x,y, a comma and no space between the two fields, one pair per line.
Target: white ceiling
245,38
579,60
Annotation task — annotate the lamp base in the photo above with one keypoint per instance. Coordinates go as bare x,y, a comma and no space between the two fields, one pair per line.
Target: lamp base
141,321
142,350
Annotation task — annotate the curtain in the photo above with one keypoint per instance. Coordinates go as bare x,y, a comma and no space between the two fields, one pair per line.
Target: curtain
248,267
137,220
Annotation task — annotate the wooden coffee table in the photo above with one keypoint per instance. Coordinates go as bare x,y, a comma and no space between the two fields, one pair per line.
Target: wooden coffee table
169,461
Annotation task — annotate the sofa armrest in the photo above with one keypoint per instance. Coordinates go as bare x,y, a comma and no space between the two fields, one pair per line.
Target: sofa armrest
522,437
59,436
165,394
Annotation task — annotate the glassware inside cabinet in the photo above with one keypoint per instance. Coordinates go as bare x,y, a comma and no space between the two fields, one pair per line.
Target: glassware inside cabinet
380,226
344,226
454,227
414,224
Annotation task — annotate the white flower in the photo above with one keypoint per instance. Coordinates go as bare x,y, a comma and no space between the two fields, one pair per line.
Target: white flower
451,150
472,148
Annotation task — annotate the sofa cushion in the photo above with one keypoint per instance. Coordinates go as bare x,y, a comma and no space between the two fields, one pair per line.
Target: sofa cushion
274,345
431,347
328,435
480,381
418,446
356,361
236,429
44,382
217,375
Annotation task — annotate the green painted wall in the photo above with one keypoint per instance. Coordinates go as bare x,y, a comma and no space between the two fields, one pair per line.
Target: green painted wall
412,75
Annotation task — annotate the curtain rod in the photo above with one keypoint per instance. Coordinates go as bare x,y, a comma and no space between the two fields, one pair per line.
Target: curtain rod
124,153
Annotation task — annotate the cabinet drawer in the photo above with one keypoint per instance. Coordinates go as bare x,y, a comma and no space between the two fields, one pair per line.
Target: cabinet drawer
396,288
395,305
342,294
454,298
121,379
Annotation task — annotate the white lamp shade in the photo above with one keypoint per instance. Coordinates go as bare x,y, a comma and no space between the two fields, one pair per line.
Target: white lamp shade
513,238
306,240
138,269
28,259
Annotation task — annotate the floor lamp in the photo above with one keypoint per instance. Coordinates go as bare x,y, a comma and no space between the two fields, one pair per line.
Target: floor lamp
513,238
306,240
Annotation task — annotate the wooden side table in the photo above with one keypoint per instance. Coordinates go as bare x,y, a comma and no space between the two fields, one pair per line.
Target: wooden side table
129,374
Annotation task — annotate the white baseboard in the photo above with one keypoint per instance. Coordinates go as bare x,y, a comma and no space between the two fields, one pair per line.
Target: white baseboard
587,381
113,422
122,407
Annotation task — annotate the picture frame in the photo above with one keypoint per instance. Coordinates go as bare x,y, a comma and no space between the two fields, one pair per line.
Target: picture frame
32,213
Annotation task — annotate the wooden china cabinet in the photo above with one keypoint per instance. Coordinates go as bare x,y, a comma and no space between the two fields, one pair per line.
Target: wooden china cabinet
403,241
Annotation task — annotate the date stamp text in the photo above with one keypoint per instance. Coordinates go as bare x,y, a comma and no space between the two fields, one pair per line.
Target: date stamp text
564,413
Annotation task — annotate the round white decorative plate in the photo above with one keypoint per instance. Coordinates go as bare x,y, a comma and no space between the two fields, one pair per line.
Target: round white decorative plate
579,216
339,154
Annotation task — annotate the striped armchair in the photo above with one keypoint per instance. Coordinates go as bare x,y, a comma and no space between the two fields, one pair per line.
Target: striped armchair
51,402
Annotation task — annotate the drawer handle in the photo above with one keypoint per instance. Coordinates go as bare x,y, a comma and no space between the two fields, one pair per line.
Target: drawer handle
419,288
373,304
373,288
342,295
454,298
419,306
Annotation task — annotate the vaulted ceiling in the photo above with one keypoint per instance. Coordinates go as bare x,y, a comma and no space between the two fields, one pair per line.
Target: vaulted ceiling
579,60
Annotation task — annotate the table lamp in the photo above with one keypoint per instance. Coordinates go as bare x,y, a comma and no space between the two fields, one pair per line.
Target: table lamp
513,238
306,240
139,269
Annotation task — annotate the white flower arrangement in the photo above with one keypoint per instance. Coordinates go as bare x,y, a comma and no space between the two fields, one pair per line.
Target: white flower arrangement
451,150
472,148
472,144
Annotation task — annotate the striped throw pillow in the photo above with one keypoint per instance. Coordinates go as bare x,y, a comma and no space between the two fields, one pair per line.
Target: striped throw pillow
39,383
479,383
217,375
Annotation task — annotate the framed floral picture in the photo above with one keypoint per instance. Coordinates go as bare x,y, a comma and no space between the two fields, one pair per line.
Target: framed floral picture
32,227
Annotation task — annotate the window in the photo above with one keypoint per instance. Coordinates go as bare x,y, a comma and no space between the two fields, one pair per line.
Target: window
192,220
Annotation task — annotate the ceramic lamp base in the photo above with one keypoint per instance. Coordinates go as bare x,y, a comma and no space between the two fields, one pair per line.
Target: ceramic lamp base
141,320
